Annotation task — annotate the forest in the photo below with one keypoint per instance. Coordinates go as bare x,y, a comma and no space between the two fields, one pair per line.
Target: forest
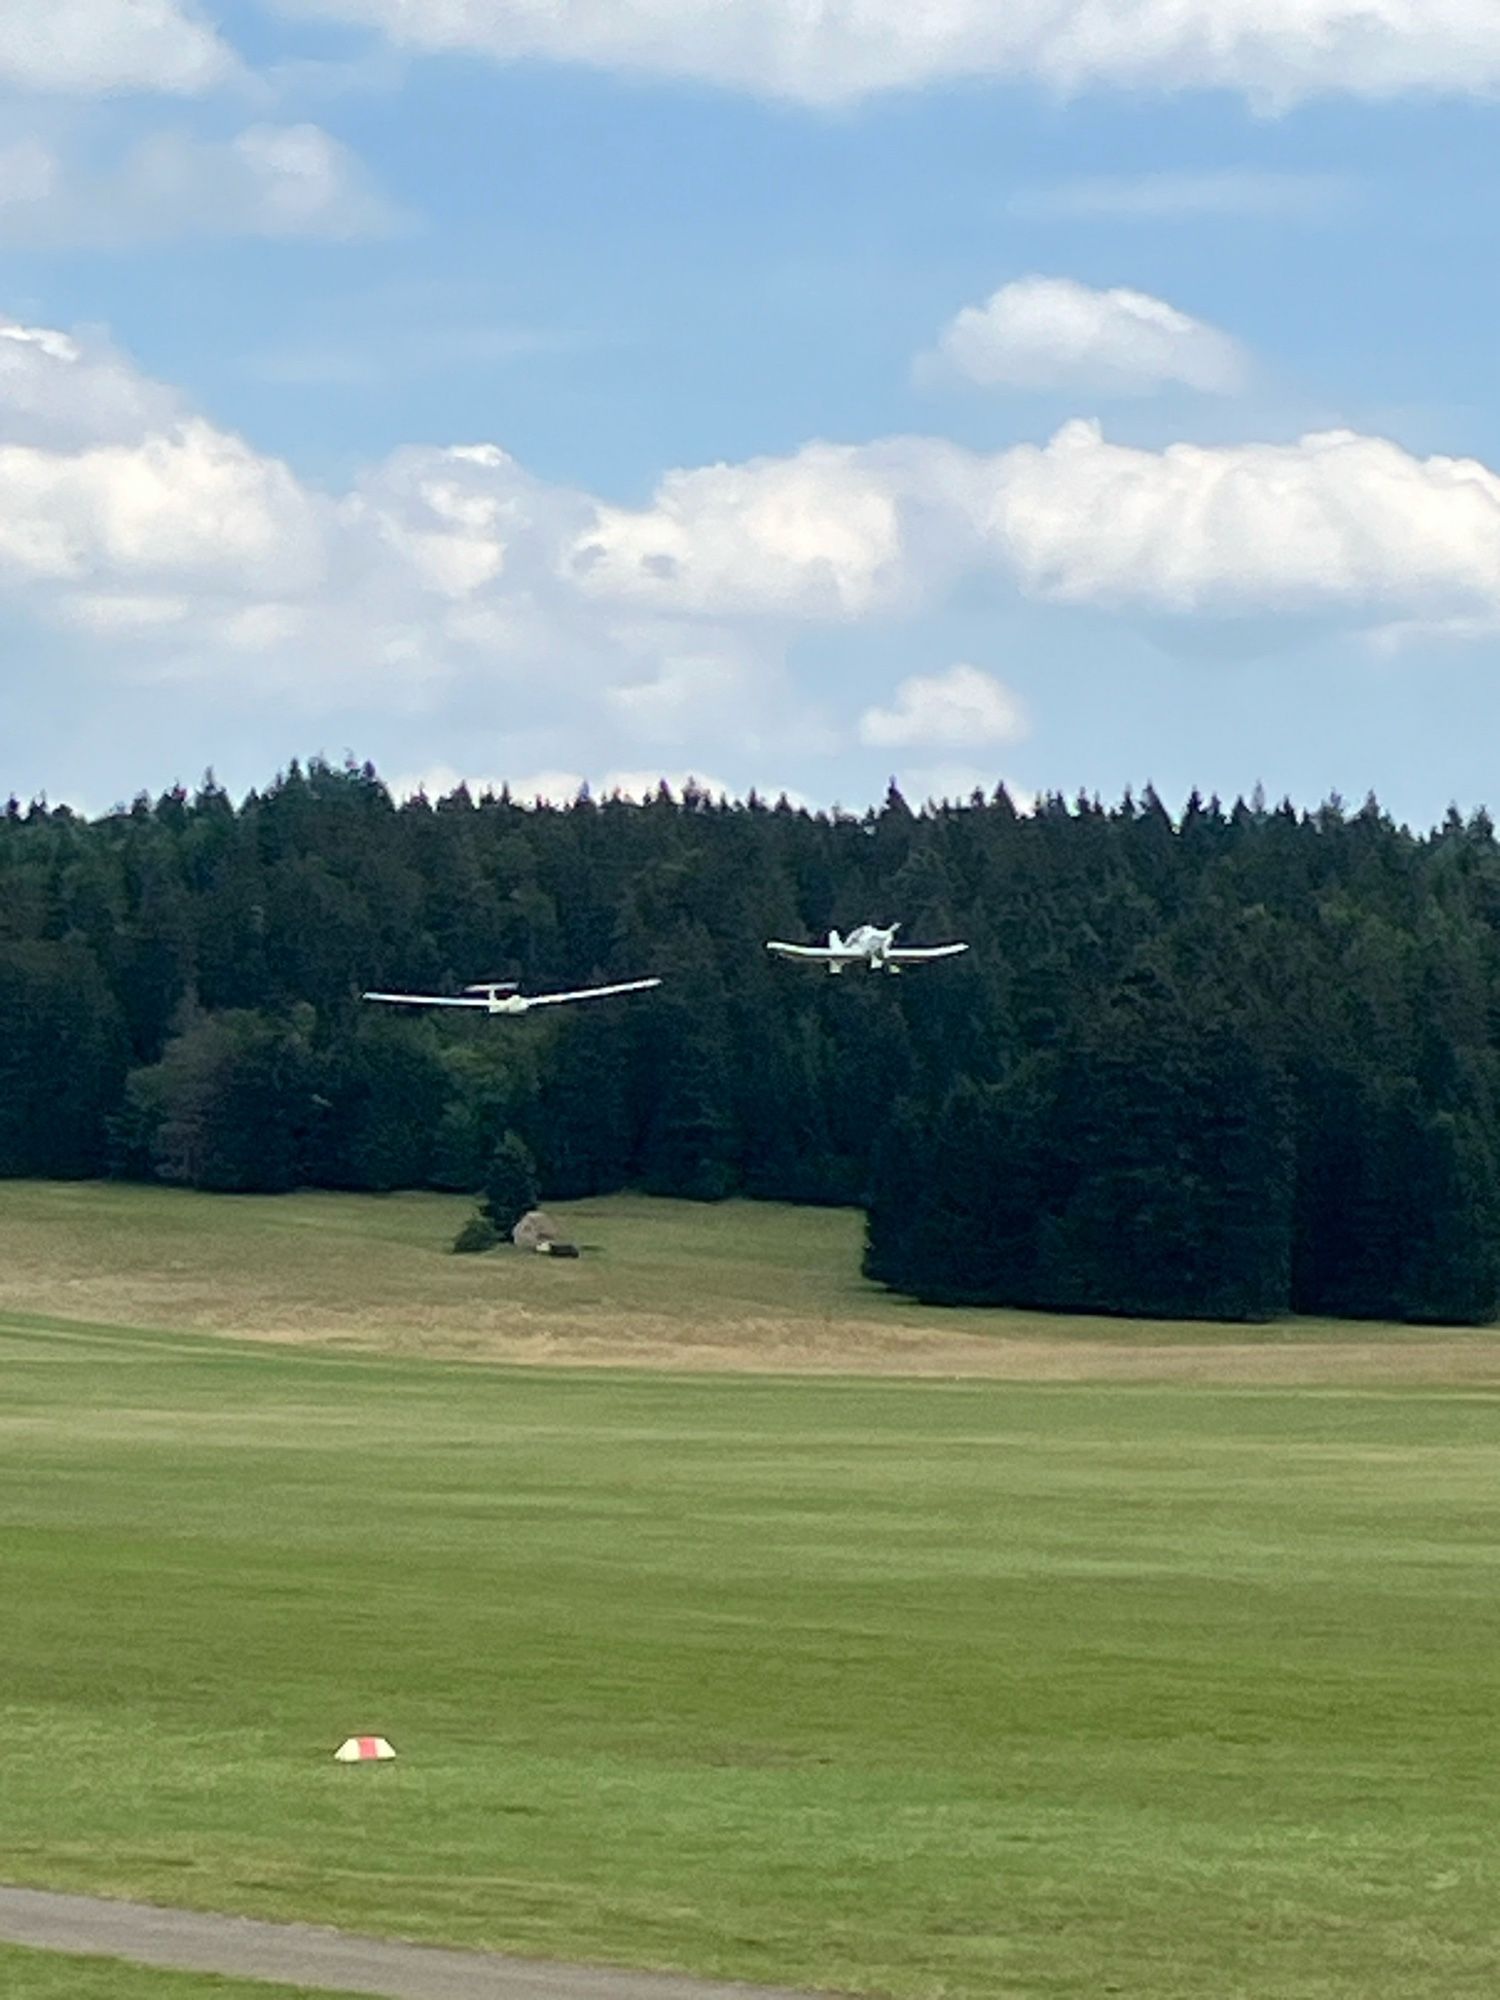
1237,1062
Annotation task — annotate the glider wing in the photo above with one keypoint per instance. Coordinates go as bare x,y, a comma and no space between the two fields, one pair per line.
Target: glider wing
588,993
426,999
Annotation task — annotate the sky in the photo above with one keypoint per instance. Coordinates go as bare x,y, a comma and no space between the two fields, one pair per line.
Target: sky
794,394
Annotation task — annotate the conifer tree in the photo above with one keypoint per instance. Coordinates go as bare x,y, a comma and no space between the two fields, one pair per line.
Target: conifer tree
584,1122
1451,1262
897,1235
690,1146
510,1185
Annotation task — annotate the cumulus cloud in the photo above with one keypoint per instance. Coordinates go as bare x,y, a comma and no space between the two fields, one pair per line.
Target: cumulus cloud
88,47
848,49
451,587
833,531
1051,333
57,390
1335,524
454,516
269,181
176,549
103,475
959,709
194,504
1333,521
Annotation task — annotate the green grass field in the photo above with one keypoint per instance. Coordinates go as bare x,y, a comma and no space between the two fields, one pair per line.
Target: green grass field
925,1688
40,1975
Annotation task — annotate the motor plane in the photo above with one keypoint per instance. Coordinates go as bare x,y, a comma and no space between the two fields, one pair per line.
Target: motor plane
868,945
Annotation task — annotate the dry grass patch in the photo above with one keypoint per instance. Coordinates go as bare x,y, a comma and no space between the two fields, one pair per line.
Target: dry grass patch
743,1287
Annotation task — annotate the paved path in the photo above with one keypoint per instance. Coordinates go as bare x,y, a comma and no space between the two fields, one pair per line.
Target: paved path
304,1955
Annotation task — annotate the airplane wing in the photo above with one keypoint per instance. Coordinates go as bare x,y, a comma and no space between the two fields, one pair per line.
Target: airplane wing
915,954
425,1000
588,993
820,952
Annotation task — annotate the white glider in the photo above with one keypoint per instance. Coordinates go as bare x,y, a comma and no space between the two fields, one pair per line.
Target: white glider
501,997
868,945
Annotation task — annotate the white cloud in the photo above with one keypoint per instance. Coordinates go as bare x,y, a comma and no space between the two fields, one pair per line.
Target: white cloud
834,531
107,614
1334,522
93,46
57,390
961,708
451,515
684,686
277,181
152,535
1275,51
197,503
450,596
719,538
1188,197
109,485
1048,333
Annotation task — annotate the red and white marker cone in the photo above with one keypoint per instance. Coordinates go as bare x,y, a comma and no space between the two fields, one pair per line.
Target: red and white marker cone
363,1750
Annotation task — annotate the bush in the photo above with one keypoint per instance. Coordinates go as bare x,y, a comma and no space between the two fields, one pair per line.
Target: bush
478,1233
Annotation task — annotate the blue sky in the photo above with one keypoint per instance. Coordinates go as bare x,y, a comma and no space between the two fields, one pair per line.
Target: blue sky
1182,327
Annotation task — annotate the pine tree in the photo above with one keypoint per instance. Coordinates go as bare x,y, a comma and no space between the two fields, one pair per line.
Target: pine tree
62,1060
583,1129
1178,1134
1451,1263
896,1235
510,1186
690,1147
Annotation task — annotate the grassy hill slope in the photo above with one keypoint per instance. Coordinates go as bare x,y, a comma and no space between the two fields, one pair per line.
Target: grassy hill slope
741,1286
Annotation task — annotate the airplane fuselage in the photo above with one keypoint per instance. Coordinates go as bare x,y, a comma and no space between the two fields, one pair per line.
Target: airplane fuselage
868,942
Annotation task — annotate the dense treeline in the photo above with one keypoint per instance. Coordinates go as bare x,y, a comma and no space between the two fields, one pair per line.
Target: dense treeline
1240,1063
